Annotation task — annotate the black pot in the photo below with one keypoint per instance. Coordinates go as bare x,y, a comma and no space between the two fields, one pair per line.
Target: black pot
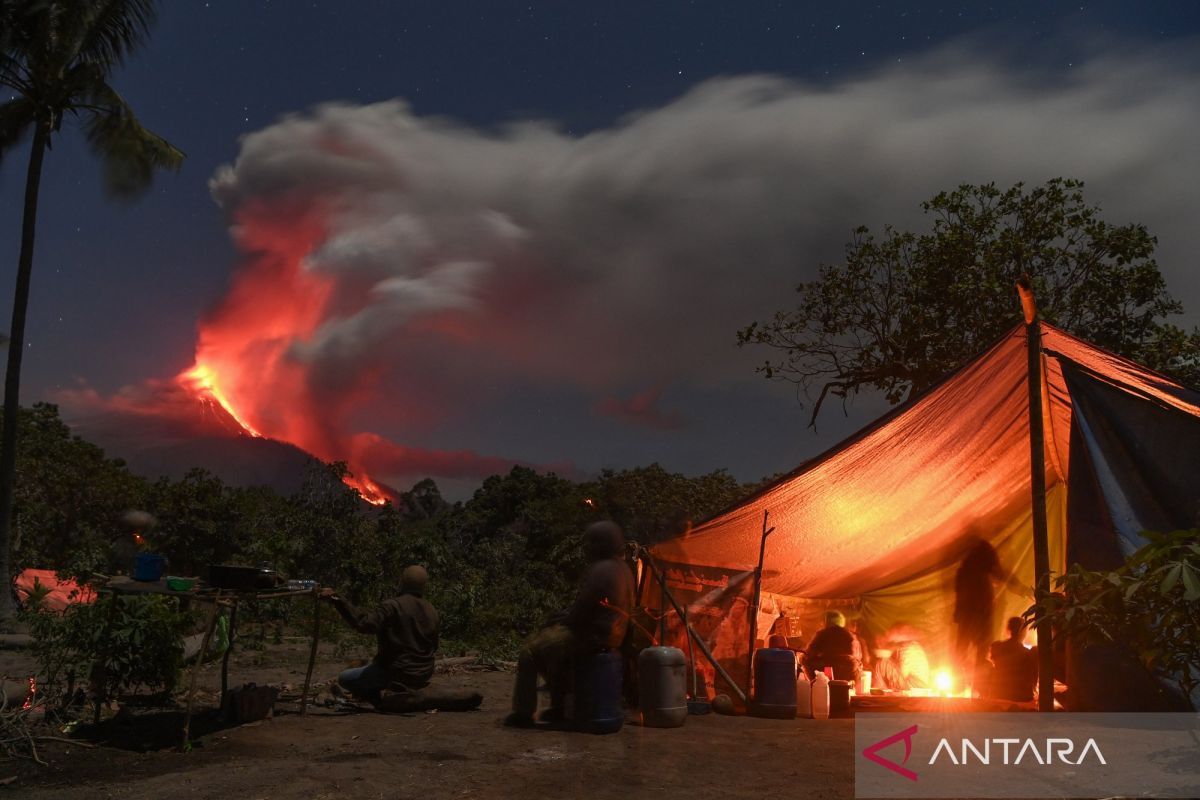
239,578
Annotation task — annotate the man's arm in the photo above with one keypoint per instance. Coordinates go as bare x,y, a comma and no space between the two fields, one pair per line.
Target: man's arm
358,619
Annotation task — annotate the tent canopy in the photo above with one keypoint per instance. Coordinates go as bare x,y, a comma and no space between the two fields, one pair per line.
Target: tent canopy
881,521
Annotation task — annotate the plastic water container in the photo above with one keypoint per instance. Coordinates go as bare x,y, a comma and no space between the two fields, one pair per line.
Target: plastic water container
598,693
820,696
803,696
149,567
662,687
775,683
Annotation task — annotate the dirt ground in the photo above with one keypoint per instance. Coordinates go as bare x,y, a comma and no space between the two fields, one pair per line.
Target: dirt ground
431,756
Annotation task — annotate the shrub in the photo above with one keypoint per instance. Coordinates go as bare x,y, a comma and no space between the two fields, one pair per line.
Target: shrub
136,644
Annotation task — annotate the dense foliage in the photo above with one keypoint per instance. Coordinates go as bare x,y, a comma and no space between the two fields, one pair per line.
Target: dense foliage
500,562
905,309
135,644
1151,605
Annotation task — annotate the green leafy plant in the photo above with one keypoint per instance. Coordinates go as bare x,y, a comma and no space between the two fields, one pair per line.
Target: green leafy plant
136,644
1151,606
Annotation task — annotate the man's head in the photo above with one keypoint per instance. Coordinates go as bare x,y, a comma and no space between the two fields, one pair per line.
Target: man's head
603,540
834,619
1015,626
413,580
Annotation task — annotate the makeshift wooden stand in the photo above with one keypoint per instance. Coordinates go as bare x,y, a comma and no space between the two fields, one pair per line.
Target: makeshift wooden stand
218,599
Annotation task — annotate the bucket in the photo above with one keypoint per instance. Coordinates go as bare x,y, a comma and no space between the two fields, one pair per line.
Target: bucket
839,697
149,567
598,681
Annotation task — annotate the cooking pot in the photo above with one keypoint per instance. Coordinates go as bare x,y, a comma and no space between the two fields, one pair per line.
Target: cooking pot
240,578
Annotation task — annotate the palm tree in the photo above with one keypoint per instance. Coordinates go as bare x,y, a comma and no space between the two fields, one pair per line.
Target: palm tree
56,57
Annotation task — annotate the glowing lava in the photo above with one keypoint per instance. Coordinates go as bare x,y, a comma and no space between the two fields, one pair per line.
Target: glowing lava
203,381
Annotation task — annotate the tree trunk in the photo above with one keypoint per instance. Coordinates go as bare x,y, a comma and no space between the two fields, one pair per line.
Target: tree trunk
12,377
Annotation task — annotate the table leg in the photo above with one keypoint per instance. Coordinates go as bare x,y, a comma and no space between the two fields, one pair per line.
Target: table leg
101,691
312,653
228,649
191,695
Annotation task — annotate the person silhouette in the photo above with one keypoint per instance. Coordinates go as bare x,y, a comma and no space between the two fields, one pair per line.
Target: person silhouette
975,606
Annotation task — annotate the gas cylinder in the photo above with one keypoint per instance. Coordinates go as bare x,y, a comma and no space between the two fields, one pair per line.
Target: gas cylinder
774,683
597,706
662,687
820,696
803,696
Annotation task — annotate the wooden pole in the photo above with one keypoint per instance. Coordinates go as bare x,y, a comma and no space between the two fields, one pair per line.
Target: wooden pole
312,653
694,636
185,745
762,552
1037,475
228,650
100,693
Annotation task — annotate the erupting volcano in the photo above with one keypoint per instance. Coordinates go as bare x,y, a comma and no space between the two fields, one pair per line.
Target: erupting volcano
247,365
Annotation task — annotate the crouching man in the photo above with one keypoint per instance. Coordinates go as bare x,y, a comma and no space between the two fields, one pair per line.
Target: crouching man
596,621
407,630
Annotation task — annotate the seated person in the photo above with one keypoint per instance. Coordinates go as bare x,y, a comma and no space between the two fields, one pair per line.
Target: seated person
833,646
407,630
597,621
901,663
1014,669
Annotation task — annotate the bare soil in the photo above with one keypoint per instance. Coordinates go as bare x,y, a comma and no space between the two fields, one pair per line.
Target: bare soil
431,756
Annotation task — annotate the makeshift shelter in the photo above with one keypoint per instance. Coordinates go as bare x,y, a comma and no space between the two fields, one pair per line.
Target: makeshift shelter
55,593
877,526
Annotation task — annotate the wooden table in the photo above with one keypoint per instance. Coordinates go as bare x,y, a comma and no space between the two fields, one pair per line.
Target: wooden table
218,599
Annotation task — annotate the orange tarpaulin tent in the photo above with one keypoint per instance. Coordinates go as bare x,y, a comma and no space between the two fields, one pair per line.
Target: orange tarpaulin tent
878,525
60,594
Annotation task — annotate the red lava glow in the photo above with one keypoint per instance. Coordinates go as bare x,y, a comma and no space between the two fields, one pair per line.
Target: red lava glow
244,361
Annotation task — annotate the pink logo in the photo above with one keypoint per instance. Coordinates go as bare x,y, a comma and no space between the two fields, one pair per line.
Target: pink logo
872,752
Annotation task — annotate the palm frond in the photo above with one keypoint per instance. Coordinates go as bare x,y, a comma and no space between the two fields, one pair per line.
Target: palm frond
16,117
131,153
112,29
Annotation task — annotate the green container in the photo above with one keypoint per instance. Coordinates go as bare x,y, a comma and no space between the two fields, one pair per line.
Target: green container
180,584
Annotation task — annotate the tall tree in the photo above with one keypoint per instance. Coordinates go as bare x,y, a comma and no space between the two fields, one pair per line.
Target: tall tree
907,308
56,56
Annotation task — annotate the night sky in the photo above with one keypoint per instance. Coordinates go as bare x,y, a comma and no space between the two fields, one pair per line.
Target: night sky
562,226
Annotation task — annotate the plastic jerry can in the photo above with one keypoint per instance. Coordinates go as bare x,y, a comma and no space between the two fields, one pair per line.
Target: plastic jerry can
598,682
803,696
662,687
820,696
775,683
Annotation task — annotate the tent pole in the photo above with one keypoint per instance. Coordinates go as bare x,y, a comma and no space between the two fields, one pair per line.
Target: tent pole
692,633
1037,474
762,552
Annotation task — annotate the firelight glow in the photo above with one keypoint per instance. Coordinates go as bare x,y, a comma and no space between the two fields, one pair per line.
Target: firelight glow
943,681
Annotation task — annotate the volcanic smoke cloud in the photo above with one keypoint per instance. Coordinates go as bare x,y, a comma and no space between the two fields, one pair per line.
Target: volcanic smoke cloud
401,272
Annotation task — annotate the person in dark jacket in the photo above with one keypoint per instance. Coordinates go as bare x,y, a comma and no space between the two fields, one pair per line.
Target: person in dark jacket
595,622
407,630
1014,668
833,646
